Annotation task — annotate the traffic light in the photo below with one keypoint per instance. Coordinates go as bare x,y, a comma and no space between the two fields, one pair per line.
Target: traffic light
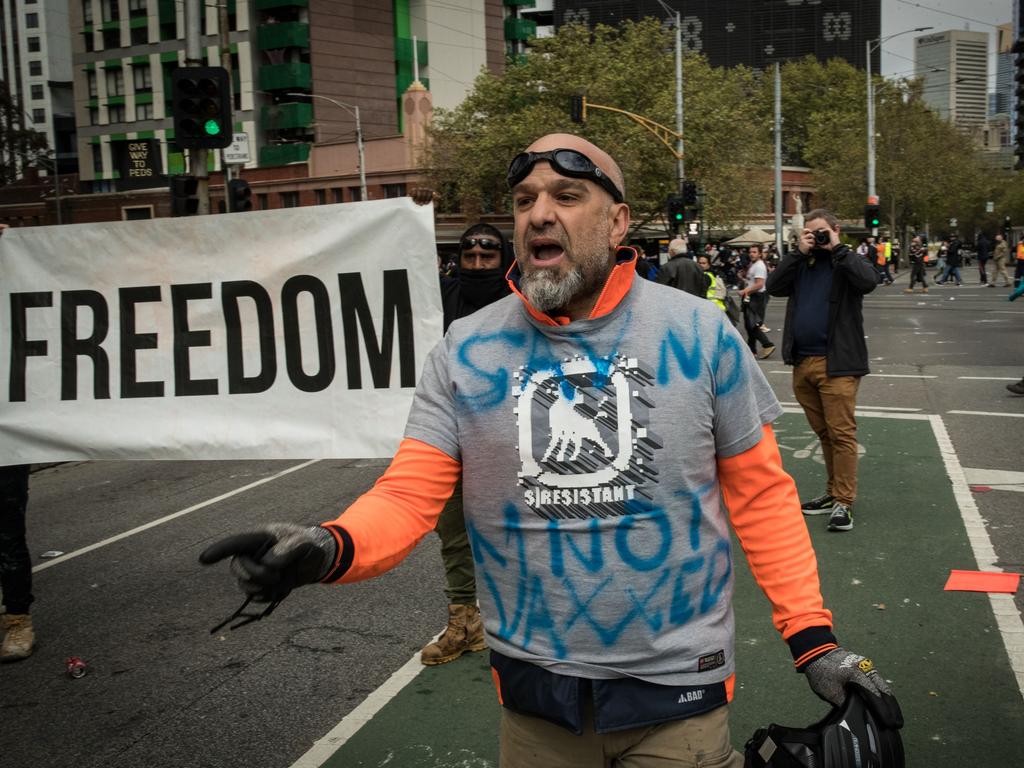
690,194
201,105
577,109
239,196
676,211
872,217
184,195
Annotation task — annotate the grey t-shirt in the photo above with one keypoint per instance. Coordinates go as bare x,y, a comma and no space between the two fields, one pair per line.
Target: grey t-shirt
590,485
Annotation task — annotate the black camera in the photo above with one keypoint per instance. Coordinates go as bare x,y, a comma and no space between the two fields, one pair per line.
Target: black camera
822,237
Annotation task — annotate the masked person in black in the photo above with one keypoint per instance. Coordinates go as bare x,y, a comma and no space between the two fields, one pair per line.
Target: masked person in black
484,258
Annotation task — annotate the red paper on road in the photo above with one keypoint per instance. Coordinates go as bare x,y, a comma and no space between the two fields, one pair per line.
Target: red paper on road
982,581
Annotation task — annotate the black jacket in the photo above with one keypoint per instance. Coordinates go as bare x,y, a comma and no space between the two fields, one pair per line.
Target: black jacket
852,277
683,273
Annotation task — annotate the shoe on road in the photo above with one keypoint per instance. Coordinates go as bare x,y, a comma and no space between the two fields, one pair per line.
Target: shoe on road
766,353
908,290
924,290
464,633
841,518
1017,388
820,505
19,637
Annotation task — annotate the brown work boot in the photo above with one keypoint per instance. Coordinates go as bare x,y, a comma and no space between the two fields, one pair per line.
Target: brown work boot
465,632
19,639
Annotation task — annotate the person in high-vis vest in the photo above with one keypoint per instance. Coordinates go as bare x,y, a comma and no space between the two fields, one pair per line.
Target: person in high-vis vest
716,286
609,432
1019,273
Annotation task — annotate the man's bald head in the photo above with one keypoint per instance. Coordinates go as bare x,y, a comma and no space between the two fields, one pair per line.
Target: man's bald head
598,156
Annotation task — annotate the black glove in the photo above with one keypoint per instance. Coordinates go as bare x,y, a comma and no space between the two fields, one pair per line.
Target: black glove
272,562
828,676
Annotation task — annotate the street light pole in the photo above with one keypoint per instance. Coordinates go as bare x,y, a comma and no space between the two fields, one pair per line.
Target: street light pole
870,45
680,162
354,111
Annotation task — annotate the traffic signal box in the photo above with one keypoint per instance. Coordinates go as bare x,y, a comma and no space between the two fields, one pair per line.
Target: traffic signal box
676,211
872,217
1018,148
239,196
184,196
577,109
690,194
201,105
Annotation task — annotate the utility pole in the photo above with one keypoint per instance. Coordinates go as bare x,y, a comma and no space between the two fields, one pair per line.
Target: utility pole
778,159
225,61
197,158
680,162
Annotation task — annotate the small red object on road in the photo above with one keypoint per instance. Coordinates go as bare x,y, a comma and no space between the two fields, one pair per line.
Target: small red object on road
75,667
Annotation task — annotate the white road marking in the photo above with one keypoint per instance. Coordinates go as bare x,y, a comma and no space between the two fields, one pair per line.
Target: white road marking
1007,616
989,378
172,516
996,479
987,413
871,408
324,748
876,414
883,375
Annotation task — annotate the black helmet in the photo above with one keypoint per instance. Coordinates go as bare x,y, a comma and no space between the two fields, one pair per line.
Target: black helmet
863,733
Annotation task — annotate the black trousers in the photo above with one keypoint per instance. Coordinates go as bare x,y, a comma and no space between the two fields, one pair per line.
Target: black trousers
753,316
917,274
15,565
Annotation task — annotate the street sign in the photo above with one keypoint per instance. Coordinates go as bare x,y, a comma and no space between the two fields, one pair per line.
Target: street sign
990,207
237,153
952,222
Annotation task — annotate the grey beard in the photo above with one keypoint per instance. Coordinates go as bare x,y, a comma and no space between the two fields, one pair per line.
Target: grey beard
546,292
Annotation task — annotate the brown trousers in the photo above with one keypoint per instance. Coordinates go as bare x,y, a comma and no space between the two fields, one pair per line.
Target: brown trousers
697,742
829,403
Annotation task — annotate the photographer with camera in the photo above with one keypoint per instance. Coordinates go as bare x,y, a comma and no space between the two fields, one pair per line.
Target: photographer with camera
823,339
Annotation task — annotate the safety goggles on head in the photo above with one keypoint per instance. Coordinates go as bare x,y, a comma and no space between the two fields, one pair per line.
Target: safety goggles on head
487,243
567,162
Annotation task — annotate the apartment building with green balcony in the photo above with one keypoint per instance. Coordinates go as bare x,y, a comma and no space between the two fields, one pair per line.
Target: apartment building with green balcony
299,68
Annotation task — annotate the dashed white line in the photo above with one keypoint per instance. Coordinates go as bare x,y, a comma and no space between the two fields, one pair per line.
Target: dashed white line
989,378
988,413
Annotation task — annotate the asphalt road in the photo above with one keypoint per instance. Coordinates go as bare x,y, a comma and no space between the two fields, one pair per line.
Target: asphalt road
162,691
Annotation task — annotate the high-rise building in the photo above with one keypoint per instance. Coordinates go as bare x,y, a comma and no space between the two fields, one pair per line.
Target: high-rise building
954,68
299,67
756,33
35,65
1000,99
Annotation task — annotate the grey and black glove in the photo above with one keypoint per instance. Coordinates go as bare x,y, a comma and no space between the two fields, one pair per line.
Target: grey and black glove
829,675
271,562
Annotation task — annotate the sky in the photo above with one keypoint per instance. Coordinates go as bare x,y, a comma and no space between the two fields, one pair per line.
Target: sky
898,15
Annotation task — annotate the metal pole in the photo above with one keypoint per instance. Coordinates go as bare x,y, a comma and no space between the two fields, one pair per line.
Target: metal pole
871,133
56,190
362,156
680,164
193,57
778,159
225,61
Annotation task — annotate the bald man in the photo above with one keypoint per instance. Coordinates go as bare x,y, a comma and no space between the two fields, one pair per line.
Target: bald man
597,421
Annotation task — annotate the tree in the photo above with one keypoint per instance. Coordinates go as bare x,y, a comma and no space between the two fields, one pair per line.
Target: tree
19,146
631,68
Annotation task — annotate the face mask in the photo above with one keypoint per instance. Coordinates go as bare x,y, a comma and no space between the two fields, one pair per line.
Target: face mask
479,287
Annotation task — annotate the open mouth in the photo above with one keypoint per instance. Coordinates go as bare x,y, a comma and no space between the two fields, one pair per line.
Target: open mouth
545,253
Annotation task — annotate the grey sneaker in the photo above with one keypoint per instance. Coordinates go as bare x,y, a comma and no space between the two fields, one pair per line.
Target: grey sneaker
841,518
820,505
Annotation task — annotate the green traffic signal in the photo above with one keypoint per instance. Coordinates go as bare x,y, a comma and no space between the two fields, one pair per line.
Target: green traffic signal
212,128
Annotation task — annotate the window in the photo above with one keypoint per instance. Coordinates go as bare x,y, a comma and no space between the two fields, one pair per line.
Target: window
35,68
37,92
39,116
94,116
136,8
87,12
111,10
355,194
143,77
143,111
140,35
97,158
261,201
321,196
115,113
90,81
111,38
90,43
33,45
115,82
31,21
338,194
137,212
289,199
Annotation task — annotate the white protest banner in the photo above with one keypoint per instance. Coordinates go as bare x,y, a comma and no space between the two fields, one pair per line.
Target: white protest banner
293,333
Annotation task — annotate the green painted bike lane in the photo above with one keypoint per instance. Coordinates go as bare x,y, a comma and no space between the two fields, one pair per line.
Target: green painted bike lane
883,582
